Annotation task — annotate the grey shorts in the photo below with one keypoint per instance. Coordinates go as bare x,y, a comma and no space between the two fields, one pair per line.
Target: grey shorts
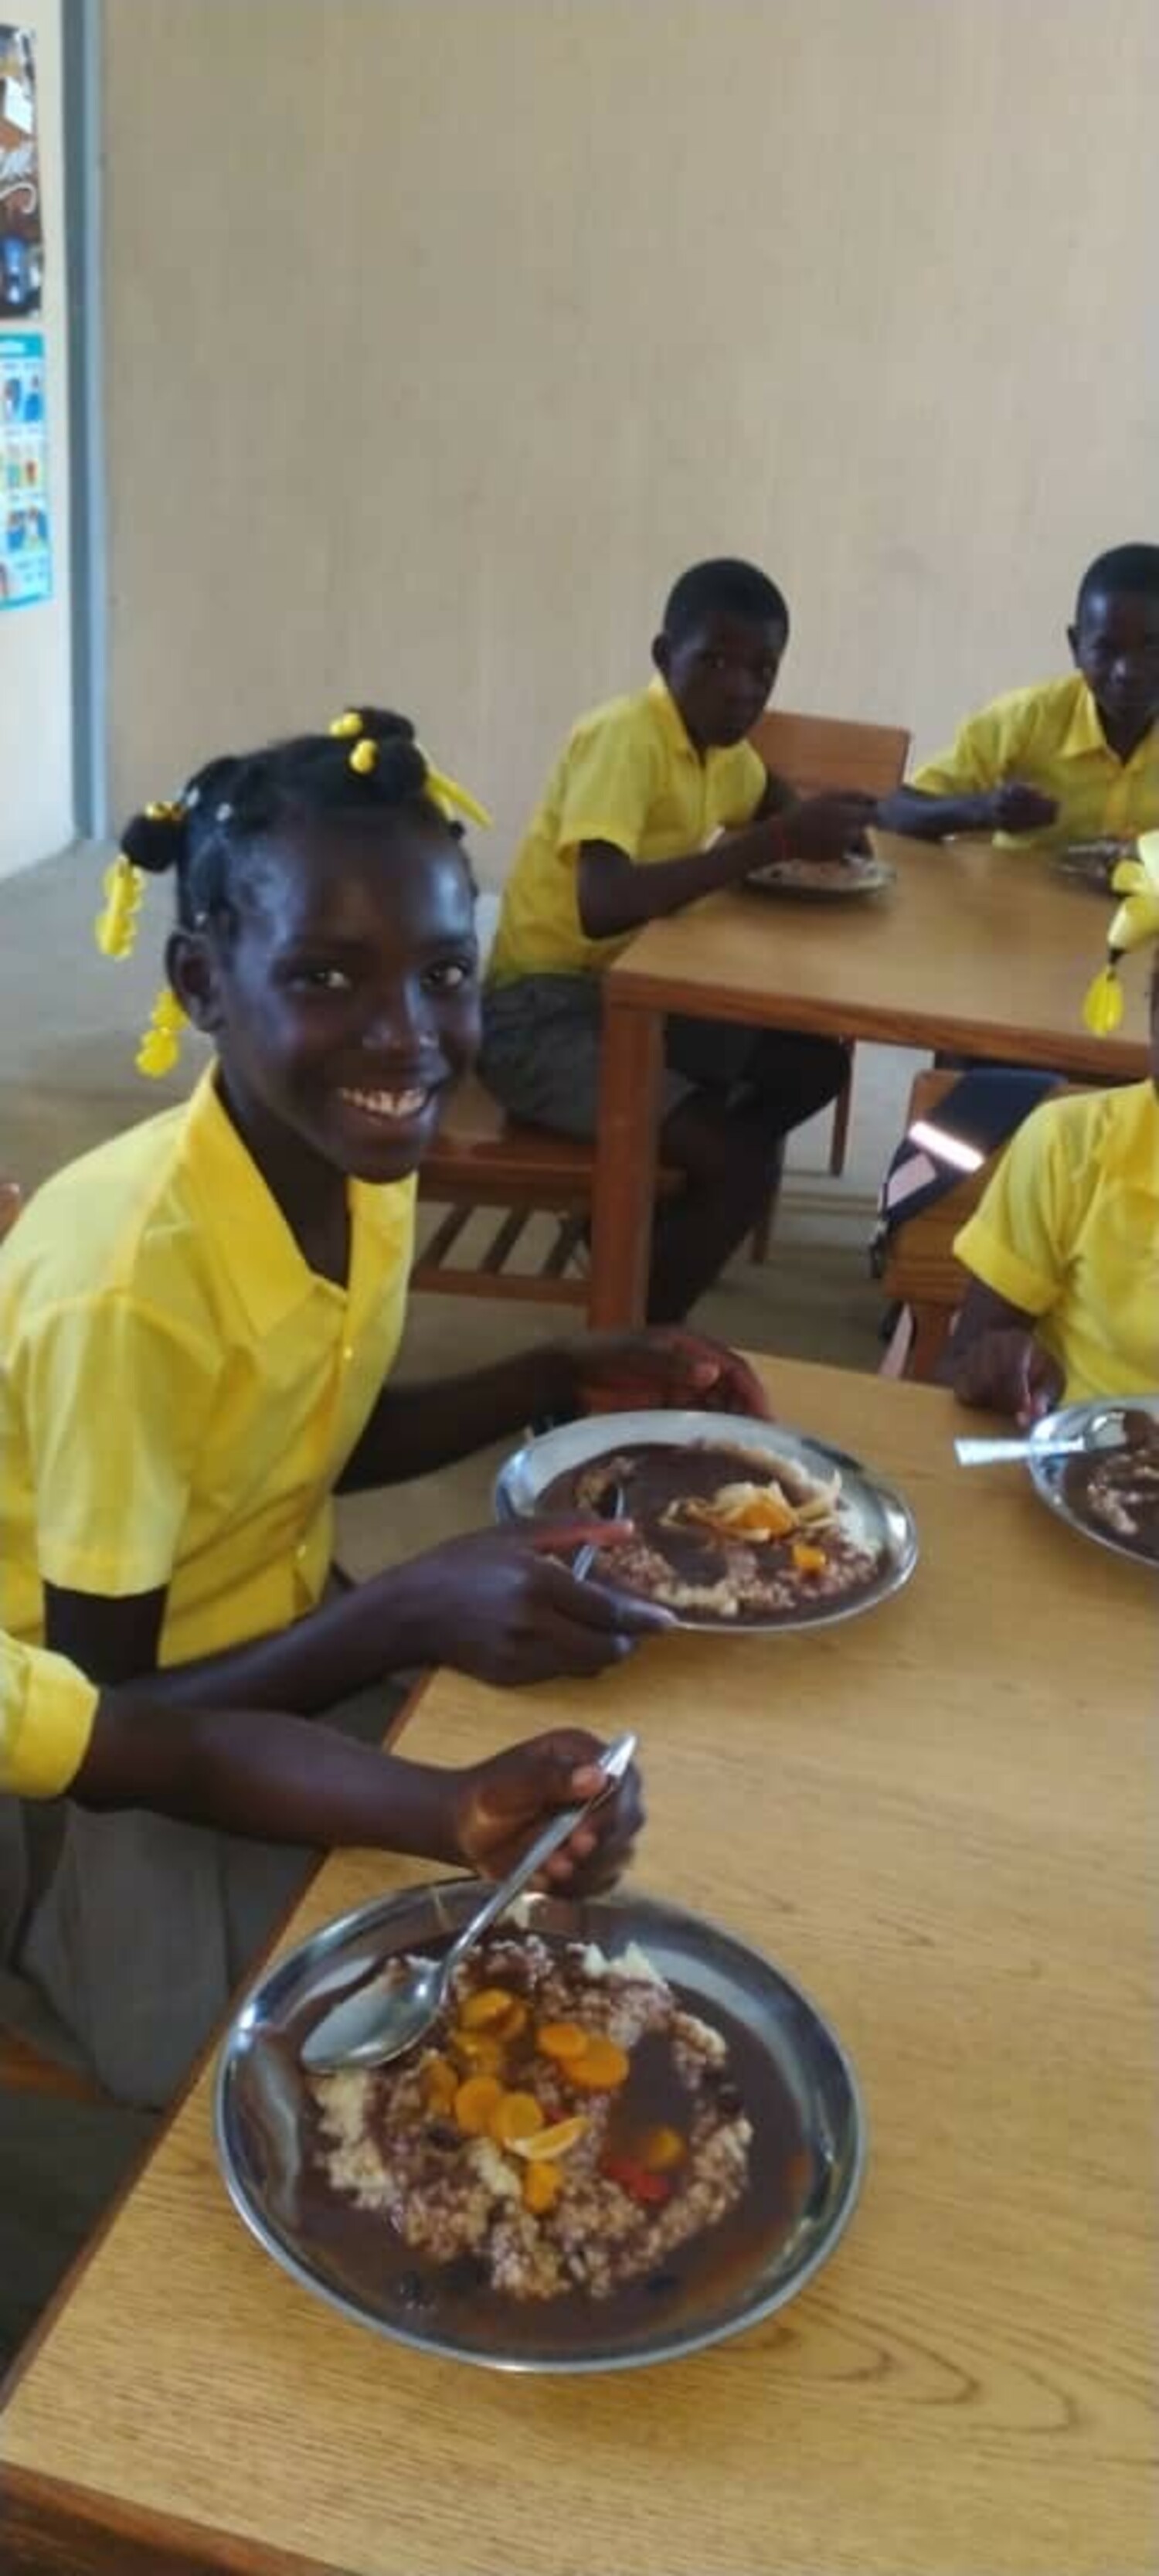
541,1052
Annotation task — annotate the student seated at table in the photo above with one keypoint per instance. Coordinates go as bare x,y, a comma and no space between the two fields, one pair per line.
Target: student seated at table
1073,759
1064,1297
198,1324
627,832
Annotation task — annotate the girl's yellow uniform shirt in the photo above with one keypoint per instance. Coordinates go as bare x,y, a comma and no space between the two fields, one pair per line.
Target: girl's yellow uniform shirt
178,1391
629,775
1069,1231
46,1718
1050,737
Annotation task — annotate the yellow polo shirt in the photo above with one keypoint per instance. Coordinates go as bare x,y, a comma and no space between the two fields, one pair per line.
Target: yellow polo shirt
629,775
1051,737
178,1390
46,1719
1069,1231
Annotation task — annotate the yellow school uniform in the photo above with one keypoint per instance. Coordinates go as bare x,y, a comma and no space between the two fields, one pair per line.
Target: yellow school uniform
46,1719
630,775
178,1390
1051,737
1069,1231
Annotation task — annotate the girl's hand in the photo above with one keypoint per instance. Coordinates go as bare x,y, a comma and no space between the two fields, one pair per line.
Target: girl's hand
1008,1372
498,1605
667,1368
499,1805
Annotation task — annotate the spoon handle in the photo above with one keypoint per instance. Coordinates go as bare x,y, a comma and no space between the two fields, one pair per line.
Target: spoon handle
993,1453
613,1764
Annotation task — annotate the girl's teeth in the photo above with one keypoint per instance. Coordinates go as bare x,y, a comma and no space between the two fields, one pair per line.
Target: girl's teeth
388,1104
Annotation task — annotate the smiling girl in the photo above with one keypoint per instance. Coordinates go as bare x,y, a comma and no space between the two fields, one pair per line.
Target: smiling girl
199,1323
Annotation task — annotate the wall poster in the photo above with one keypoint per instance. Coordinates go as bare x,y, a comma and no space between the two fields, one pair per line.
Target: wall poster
25,540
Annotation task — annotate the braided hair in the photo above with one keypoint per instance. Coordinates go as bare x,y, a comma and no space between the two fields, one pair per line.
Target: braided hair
369,762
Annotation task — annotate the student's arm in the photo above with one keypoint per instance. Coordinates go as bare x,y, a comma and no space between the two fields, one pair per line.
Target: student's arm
617,895
1009,807
995,1361
282,1780
415,1429
495,1604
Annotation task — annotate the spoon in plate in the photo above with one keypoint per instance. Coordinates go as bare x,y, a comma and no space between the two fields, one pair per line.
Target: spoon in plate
1110,1430
386,2017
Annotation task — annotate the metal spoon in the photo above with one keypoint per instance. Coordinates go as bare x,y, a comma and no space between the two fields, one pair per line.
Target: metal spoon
1102,1431
612,1506
383,2019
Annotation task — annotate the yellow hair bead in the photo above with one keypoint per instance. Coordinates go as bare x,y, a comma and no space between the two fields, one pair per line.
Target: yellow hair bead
162,812
447,792
350,723
1103,1006
115,927
161,1044
364,757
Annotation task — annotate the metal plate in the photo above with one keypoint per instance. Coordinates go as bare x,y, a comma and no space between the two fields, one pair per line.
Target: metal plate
1048,1475
834,881
1090,863
875,1515
260,2127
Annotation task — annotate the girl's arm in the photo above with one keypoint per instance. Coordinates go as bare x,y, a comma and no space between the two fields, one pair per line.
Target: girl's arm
278,1778
994,1361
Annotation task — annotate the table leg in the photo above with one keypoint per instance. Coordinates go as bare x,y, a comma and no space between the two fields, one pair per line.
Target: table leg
625,1172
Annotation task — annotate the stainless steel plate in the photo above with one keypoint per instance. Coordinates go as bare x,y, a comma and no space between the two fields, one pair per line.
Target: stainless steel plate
875,1515
1048,1475
1091,863
823,881
261,2128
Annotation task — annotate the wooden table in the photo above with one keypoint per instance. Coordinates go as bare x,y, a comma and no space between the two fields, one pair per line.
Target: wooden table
940,1819
976,949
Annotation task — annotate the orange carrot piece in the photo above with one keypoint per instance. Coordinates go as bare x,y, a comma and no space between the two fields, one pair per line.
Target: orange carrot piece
602,2066
517,2115
562,2040
476,2101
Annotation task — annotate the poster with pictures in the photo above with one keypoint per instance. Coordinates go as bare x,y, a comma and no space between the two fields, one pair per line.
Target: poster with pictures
25,539
21,235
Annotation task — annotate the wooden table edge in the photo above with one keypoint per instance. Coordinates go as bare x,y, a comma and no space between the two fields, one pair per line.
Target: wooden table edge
38,2333
627,989
51,2527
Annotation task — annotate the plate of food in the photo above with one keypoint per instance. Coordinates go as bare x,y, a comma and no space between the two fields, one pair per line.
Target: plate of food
1105,1479
1092,863
628,2137
739,1525
824,880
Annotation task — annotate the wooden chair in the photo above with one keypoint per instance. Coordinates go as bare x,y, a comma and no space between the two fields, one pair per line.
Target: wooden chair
24,2070
814,753
483,1159
920,1270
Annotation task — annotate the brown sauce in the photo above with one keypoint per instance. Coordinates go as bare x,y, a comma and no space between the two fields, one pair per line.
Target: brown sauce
359,2253
1116,1492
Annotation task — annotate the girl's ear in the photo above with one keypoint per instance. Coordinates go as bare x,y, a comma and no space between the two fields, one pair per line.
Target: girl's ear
194,974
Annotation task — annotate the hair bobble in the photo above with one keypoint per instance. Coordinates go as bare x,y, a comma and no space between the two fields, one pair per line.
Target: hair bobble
165,810
115,927
447,791
1135,925
161,1044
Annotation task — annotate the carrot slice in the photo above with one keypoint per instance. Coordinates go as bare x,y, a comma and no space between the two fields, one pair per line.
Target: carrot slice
562,2039
551,2142
602,2066
480,2050
518,2115
542,2184
440,2083
660,2149
808,1560
475,2103
489,2005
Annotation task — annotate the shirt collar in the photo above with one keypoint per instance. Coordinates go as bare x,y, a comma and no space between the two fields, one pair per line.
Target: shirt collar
1084,731
251,1241
671,721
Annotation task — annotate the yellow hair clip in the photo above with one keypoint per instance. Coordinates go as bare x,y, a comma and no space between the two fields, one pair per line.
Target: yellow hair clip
446,792
364,757
162,811
1135,925
350,723
161,1044
115,927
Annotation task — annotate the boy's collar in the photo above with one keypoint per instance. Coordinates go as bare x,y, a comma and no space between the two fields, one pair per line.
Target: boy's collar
674,723
1085,729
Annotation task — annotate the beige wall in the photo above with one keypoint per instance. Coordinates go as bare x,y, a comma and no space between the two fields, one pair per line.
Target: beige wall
442,333
36,792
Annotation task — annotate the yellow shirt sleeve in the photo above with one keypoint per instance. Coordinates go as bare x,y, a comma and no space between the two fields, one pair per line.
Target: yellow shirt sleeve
116,1399
985,750
1018,1240
608,787
47,1711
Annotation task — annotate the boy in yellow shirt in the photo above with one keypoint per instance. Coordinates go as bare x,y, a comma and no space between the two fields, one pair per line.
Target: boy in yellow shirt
1074,759
1064,1249
657,799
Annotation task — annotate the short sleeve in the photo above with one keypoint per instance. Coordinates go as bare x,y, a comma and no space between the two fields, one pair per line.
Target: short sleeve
115,1400
608,787
47,1710
1018,1242
978,759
